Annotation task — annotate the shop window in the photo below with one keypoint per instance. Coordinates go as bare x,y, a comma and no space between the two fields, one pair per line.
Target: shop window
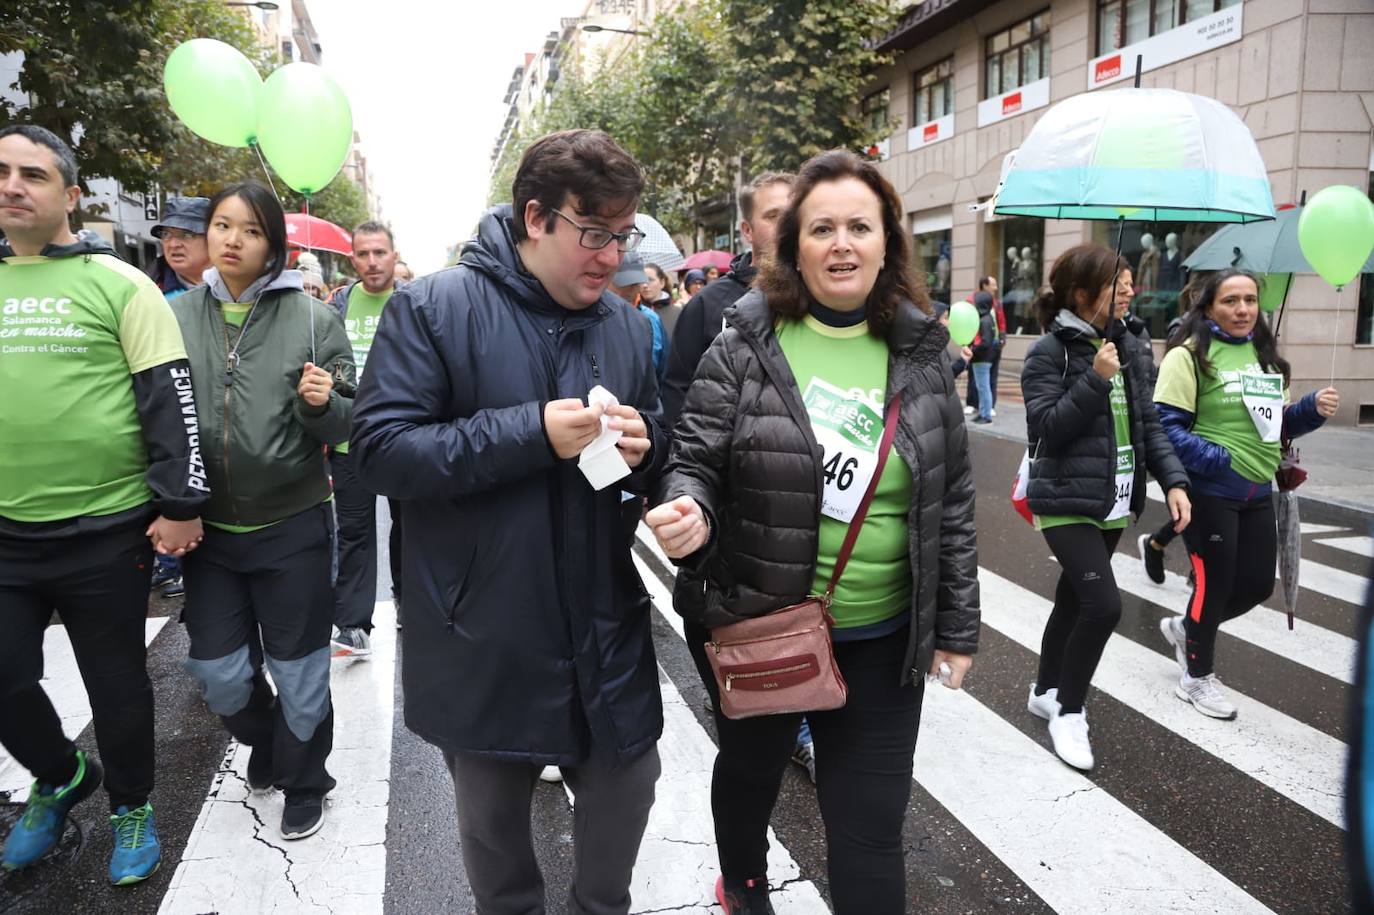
1014,248
933,92
1018,55
1123,22
934,259
1364,316
1155,252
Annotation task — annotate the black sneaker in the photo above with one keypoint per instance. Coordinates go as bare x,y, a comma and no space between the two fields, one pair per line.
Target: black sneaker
982,421
1152,558
303,814
173,588
260,769
351,642
163,573
750,899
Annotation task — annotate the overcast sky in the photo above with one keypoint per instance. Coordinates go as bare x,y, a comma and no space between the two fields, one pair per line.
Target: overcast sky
426,80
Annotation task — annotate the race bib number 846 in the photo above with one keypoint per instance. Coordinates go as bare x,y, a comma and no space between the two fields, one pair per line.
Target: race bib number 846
848,425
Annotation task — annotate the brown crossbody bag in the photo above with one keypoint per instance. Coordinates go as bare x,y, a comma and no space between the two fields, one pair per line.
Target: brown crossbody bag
784,661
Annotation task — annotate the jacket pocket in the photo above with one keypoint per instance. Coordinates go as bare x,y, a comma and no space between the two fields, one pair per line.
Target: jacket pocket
456,587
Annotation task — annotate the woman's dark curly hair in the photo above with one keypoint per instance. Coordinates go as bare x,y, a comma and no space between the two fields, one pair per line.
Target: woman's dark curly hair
1195,334
779,277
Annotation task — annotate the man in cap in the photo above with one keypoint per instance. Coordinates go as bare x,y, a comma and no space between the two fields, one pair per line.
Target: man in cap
184,258
184,254
627,283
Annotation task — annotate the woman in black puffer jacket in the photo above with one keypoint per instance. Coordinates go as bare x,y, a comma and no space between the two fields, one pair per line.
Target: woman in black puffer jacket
751,496
1092,429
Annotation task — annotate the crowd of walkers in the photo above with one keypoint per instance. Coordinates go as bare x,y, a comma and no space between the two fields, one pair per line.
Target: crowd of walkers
791,433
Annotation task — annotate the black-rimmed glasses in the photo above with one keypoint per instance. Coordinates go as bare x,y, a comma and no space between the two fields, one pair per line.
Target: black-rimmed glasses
596,238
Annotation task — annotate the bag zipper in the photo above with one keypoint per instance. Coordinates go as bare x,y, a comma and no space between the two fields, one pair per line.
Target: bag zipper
730,678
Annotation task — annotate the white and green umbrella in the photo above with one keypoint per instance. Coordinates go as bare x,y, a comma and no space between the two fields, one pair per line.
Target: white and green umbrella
1138,154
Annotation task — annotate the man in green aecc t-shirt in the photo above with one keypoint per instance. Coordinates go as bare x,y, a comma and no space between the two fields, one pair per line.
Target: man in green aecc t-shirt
99,466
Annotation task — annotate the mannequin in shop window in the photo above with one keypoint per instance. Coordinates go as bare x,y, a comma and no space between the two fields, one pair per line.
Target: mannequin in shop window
1171,264
1147,276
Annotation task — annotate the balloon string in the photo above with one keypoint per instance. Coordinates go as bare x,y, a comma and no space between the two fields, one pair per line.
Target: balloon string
1336,336
312,304
265,170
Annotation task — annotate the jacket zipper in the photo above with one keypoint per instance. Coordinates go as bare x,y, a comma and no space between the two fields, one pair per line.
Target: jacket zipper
596,371
228,388
731,678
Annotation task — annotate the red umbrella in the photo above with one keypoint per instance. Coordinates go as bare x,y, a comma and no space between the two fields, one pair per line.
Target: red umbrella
703,259
304,231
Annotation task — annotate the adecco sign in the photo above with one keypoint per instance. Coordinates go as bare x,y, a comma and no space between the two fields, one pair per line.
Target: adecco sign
931,132
1018,101
1213,31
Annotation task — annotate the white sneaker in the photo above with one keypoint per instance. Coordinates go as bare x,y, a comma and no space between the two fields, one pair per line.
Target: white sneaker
1070,736
1206,695
1045,706
969,411
1171,627
551,774
992,413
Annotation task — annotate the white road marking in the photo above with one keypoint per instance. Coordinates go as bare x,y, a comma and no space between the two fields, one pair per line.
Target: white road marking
1360,546
1077,847
236,860
1308,644
1294,759
65,688
677,865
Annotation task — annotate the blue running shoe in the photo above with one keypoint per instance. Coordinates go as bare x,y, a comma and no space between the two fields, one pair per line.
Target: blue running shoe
137,851
40,828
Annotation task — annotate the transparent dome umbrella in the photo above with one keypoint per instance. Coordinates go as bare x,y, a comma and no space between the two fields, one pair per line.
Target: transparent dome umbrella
658,246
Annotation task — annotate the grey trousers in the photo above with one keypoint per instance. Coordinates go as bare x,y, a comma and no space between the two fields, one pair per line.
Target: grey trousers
610,811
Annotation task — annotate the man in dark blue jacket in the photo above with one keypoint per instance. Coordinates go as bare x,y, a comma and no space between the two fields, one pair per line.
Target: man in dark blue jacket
527,638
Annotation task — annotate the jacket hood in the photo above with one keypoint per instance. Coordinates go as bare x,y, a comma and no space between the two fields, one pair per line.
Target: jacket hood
289,279
912,330
494,253
87,242
983,302
743,268
1069,326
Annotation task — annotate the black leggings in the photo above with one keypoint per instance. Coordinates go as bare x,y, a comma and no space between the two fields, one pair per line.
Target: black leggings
1165,535
863,776
1233,547
1087,606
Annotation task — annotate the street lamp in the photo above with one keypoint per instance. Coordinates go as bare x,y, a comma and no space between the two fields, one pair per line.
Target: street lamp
263,5
606,28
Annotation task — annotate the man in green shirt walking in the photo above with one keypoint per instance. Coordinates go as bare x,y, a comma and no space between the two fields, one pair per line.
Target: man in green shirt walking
361,304
100,449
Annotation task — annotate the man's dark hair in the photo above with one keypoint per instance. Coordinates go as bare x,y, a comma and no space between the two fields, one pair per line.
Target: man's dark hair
586,164
42,136
268,213
373,227
780,279
746,195
985,281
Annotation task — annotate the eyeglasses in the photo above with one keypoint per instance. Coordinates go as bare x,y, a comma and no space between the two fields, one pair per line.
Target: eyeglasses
178,235
597,238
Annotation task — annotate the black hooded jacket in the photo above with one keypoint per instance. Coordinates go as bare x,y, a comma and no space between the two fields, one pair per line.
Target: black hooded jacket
1069,427
527,631
701,321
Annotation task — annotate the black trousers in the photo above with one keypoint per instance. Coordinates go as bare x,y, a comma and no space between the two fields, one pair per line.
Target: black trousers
863,776
1087,607
1233,547
355,591
98,584
1165,535
264,598
395,546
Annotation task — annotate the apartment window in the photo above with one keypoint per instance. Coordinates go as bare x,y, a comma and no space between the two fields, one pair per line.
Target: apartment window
1018,55
874,109
933,89
1123,22
1364,314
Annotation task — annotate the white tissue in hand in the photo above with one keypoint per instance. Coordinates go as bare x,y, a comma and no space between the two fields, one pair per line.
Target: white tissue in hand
600,462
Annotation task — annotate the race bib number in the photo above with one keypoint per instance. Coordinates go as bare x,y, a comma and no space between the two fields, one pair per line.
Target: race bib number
848,425
1263,397
1125,482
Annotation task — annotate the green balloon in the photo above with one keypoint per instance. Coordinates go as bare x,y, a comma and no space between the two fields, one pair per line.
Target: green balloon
963,323
214,90
1336,233
306,126
1273,290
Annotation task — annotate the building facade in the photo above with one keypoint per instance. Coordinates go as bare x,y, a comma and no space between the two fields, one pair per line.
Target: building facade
972,77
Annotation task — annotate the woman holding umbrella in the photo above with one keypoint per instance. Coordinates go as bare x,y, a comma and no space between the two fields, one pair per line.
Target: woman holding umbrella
1092,430
1223,398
